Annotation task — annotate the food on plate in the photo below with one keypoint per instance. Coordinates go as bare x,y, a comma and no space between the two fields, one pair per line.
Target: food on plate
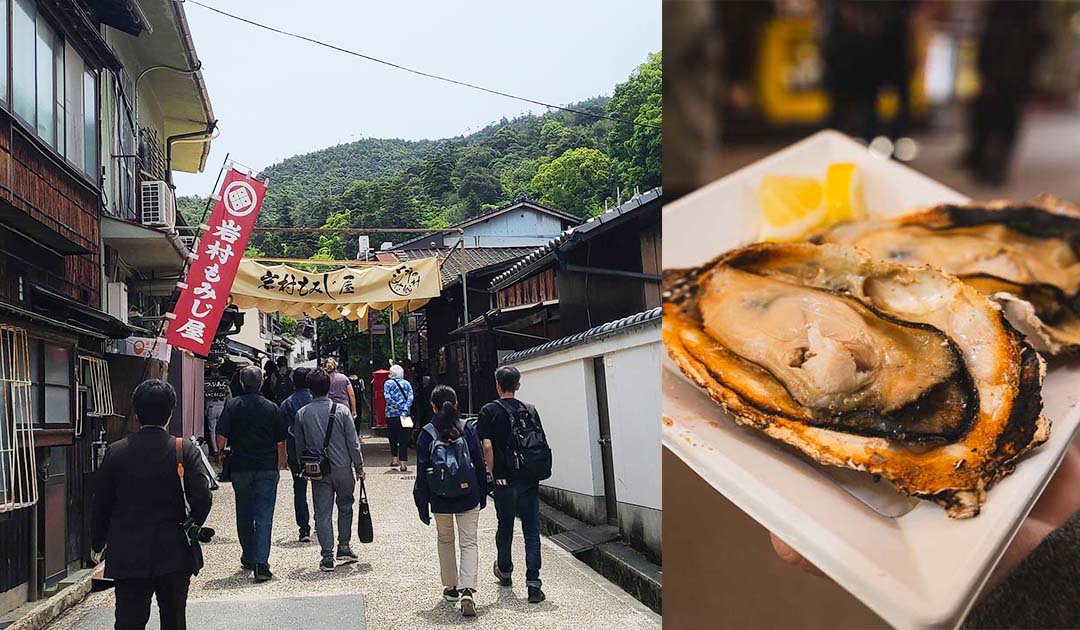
902,372
794,207
1026,254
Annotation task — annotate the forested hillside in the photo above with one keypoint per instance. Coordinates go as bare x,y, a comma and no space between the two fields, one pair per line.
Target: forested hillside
565,160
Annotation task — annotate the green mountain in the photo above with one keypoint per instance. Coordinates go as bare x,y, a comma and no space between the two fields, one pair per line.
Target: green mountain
570,161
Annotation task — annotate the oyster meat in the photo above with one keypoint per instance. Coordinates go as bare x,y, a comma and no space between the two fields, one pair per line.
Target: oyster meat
1027,255
899,371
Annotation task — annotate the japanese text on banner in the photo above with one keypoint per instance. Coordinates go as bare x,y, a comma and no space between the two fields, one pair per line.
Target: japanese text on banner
210,277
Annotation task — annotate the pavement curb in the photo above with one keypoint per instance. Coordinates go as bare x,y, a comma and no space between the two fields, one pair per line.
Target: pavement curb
48,610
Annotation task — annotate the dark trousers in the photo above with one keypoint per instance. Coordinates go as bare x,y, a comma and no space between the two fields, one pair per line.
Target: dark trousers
133,601
300,504
518,500
256,494
399,438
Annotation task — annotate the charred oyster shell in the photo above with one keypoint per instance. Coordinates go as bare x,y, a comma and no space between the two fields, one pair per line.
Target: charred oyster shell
1026,254
903,372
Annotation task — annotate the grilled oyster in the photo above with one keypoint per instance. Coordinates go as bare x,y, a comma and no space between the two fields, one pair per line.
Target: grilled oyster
899,371
1027,255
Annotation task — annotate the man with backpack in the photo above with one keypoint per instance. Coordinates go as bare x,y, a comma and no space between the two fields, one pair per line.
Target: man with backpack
518,458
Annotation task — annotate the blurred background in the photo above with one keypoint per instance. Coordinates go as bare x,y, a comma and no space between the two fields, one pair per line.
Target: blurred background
982,96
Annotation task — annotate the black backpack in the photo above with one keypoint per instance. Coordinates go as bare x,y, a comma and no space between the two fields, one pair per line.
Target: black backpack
527,452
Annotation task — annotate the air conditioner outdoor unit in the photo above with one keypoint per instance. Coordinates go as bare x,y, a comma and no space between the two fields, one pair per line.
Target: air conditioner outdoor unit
158,204
116,300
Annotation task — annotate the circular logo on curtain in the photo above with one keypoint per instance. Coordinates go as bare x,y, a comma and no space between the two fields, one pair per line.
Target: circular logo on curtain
404,281
240,199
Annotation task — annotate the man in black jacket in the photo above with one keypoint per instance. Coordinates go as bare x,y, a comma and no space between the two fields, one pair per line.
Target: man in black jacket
137,510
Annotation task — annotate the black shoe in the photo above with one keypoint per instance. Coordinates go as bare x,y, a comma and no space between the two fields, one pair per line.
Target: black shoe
346,555
247,566
262,573
468,605
504,578
305,537
451,594
327,565
536,595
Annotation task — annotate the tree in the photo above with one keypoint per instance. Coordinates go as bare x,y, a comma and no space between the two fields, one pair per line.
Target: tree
637,148
577,181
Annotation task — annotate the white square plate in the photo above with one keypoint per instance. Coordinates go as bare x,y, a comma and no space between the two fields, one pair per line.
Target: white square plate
918,570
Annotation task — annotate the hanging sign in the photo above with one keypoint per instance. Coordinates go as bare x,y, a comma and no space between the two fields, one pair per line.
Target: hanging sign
205,291
143,347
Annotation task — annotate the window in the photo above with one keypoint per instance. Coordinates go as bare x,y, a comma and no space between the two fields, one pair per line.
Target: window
23,54
52,89
3,51
50,377
17,467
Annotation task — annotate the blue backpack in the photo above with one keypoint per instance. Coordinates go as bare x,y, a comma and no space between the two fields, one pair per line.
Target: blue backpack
451,474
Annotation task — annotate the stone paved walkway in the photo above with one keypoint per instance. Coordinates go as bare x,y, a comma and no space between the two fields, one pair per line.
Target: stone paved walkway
398,574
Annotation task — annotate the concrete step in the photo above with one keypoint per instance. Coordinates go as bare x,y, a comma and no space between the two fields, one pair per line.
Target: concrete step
317,611
599,547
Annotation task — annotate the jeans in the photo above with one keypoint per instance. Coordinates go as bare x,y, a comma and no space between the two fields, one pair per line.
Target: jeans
399,438
256,494
133,601
448,555
213,412
338,489
300,504
520,500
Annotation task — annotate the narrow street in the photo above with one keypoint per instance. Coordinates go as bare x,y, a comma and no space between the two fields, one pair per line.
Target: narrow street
396,580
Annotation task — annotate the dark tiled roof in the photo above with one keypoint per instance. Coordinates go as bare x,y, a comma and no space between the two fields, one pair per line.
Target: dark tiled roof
463,258
609,329
542,255
527,203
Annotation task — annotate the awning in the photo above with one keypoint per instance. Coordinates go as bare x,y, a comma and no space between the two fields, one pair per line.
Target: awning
242,349
83,316
142,247
502,316
346,292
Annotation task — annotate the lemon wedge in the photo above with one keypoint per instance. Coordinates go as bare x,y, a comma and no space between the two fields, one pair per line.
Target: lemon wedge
843,193
791,207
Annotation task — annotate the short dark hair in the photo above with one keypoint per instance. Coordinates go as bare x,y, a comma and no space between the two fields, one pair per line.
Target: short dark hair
153,401
283,361
318,381
508,378
251,379
299,377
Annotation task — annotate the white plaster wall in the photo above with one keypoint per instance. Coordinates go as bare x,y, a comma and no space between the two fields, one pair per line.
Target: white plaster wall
249,332
633,393
562,387
565,396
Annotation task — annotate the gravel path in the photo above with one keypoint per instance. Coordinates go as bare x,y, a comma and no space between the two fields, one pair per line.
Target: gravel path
399,573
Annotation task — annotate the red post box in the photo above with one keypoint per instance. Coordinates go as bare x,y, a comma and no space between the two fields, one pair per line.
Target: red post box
378,379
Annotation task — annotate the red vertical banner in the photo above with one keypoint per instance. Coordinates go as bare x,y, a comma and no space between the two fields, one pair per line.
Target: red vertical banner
205,291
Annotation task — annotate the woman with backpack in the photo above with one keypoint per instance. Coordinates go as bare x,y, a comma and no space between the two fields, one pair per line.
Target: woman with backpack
451,484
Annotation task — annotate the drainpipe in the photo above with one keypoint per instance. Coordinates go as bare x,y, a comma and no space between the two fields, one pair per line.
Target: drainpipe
193,136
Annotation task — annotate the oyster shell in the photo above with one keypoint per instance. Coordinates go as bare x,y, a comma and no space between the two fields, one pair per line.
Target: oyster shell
1017,252
899,371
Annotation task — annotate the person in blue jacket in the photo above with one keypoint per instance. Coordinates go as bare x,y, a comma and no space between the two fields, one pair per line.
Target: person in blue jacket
463,509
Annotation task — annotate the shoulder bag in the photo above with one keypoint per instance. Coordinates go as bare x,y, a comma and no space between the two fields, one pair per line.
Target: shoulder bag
189,528
317,467
406,419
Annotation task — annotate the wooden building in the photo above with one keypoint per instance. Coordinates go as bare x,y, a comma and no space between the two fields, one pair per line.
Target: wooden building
56,150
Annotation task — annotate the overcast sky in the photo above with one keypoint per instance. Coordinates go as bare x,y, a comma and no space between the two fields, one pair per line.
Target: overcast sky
276,96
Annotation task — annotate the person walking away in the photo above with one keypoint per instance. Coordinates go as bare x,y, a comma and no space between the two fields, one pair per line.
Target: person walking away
270,381
137,510
451,484
289,407
399,399
340,390
324,431
284,386
518,458
252,427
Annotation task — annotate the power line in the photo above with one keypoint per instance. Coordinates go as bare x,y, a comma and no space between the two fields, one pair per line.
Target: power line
419,72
